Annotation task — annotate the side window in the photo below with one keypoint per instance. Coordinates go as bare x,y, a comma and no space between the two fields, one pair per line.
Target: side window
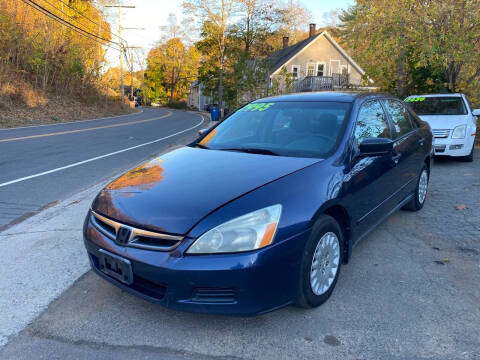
320,69
295,71
400,117
371,122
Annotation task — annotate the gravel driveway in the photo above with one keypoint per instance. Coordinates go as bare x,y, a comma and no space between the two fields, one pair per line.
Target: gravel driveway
411,291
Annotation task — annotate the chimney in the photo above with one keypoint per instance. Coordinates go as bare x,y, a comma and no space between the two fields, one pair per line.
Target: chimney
312,30
285,42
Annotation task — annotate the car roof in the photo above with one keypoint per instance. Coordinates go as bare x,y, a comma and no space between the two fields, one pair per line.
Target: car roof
437,95
336,96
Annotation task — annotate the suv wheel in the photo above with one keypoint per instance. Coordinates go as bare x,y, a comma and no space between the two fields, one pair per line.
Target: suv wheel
321,262
420,194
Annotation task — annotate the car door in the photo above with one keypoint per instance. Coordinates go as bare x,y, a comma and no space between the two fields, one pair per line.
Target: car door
368,181
408,149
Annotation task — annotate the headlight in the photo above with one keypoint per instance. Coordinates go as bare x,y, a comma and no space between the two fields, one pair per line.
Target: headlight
459,132
248,232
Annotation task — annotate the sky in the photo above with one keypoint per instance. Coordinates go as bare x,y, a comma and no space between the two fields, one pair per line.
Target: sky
151,14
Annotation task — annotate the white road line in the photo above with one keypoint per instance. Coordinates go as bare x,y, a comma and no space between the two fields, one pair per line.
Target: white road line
101,156
70,122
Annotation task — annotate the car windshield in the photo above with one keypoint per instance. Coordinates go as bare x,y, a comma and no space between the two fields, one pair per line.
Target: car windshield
299,129
438,105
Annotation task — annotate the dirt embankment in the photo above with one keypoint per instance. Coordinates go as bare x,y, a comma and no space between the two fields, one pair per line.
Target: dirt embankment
22,105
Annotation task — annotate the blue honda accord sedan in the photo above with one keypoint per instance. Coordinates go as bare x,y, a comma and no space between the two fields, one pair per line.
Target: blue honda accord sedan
262,210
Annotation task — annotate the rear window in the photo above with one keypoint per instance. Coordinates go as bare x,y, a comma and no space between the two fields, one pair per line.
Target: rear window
441,105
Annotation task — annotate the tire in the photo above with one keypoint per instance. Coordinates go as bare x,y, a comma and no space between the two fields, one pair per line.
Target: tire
469,158
325,230
417,202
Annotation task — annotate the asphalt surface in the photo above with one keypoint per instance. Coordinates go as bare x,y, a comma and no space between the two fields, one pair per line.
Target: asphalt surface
67,158
410,292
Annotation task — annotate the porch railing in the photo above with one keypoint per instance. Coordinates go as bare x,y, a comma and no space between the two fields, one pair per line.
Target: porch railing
321,83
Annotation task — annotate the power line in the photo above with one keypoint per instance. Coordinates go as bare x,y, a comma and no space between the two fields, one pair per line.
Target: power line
86,17
71,17
69,25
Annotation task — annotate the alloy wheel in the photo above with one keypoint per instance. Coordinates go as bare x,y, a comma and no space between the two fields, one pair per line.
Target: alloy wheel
422,186
325,263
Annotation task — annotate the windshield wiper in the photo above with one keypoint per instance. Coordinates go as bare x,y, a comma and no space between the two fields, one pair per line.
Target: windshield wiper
253,151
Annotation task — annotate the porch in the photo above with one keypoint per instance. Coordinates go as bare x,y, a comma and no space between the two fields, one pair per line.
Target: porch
321,83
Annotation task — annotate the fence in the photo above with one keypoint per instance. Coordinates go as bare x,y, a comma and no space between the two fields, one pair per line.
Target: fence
321,83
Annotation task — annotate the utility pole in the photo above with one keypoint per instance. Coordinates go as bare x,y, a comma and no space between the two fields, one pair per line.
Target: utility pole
131,62
122,48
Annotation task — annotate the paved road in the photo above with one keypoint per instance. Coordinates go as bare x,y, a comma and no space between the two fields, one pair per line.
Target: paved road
410,292
43,164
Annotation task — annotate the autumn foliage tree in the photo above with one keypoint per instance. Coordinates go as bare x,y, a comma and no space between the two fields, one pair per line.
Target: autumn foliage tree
172,66
416,45
45,53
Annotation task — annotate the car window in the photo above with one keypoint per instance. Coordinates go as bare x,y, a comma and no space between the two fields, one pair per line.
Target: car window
437,105
371,122
290,128
413,119
400,117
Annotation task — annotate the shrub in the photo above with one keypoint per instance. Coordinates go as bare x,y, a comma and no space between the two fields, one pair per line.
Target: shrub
178,105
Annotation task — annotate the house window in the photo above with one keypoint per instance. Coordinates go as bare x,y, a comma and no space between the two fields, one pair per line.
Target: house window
335,67
345,70
320,69
295,71
310,69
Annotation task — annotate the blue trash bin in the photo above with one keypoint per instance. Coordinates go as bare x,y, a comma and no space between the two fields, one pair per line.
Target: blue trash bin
214,113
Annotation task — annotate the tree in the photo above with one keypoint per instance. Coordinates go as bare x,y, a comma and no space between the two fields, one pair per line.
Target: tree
180,65
155,77
171,67
292,19
46,54
217,15
450,34
397,41
175,29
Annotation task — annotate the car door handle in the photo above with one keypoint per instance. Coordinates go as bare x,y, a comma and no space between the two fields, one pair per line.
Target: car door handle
421,141
396,158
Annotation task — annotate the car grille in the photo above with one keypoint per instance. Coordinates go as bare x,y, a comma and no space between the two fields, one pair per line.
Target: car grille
441,134
137,238
214,295
440,148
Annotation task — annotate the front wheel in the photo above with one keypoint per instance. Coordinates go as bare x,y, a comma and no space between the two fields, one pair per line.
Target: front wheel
321,262
418,200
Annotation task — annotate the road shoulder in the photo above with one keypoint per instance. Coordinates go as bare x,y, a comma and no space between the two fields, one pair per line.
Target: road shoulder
43,256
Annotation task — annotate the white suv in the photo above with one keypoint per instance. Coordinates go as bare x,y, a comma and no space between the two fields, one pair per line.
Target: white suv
453,122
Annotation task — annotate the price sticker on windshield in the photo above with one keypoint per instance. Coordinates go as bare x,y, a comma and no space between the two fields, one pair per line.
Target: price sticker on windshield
257,107
415,99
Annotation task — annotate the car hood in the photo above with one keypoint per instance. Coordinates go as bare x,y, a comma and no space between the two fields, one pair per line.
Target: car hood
173,192
445,121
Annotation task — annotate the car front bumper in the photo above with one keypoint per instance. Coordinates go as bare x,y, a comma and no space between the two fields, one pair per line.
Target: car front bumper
453,147
241,284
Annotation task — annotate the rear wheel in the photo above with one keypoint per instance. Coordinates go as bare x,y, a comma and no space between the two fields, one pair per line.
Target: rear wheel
418,200
321,262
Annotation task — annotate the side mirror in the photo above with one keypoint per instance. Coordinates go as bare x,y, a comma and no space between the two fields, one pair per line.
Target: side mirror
202,131
376,147
476,112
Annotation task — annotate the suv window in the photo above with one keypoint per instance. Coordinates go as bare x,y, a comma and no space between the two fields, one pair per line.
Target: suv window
437,105
400,117
371,122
